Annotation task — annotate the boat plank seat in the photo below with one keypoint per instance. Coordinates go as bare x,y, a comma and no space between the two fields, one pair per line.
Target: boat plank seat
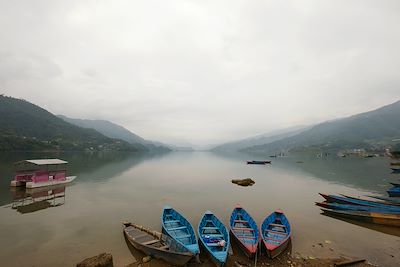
178,228
183,236
172,221
210,228
240,221
277,225
213,245
242,229
246,237
276,232
215,235
151,242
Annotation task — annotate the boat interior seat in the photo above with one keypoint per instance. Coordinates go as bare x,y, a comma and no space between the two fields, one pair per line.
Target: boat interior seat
210,228
151,242
183,236
243,229
172,221
213,245
215,235
277,225
178,228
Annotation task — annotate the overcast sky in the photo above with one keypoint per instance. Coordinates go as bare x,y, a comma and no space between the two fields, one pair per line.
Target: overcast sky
201,71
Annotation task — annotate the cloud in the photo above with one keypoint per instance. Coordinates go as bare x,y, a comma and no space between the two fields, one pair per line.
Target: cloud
202,71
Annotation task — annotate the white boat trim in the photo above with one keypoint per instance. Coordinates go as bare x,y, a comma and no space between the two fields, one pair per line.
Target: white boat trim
68,179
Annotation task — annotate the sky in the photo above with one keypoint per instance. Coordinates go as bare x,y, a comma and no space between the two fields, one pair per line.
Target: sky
201,72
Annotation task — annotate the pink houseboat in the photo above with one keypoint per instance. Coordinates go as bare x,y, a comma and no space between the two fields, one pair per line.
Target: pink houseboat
41,172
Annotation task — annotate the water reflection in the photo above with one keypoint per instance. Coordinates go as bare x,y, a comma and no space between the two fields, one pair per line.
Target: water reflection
32,200
376,227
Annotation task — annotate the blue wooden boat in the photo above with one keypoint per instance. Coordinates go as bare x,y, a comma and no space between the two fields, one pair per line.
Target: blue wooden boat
388,200
395,170
275,233
244,229
180,229
214,237
394,192
336,206
156,244
354,201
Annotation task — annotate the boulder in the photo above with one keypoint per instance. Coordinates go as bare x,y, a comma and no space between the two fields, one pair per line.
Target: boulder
101,260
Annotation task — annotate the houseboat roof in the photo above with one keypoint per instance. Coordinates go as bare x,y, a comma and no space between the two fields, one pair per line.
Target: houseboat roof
40,162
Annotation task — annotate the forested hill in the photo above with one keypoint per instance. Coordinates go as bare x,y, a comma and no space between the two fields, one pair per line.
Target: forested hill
373,129
25,126
113,130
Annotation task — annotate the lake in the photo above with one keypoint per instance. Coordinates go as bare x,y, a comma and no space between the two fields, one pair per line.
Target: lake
63,226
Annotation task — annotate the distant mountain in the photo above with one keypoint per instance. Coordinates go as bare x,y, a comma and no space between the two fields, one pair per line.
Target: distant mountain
370,130
113,130
259,139
25,126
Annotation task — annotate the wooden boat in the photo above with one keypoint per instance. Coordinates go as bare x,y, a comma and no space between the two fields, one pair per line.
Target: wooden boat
395,170
156,244
275,233
244,229
395,184
394,192
372,217
214,237
336,206
354,201
260,162
394,163
388,200
180,229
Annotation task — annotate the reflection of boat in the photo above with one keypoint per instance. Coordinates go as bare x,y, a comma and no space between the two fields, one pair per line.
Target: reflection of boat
180,229
275,233
156,245
31,200
214,237
261,162
373,217
244,229
336,206
377,227
41,172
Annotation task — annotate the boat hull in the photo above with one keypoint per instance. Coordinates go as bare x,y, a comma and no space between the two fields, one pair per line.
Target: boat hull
354,201
68,179
244,230
171,219
175,258
214,238
273,253
273,245
349,207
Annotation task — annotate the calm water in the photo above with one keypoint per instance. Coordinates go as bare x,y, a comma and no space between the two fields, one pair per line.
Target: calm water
84,218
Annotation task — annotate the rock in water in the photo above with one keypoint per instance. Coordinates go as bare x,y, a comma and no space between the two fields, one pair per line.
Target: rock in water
243,182
101,260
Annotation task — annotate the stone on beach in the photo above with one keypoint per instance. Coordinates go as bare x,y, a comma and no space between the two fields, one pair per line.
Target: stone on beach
101,260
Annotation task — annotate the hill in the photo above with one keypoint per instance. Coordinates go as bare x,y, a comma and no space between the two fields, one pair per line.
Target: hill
25,126
113,130
370,130
259,139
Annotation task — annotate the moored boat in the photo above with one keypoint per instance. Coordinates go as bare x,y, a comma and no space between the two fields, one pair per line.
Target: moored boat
354,201
275,233
349,207
372,217
260,162
156,244
244,229
180,229
40,173
394,192
388,200
214,237
395,184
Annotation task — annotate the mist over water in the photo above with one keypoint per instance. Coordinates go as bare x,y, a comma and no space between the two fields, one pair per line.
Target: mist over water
112,187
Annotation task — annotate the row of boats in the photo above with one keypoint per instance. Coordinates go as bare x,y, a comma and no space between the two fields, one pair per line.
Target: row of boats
383,210
178,243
